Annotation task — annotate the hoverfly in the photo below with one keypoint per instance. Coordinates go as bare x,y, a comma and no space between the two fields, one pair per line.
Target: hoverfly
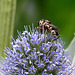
48,26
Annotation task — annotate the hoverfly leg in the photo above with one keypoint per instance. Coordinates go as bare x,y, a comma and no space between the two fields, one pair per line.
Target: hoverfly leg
56,34
39,28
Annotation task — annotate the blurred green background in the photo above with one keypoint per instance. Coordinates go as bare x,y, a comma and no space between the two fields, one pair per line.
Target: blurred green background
60,12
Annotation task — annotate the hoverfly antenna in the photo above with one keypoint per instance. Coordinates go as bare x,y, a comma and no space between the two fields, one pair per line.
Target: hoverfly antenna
43,29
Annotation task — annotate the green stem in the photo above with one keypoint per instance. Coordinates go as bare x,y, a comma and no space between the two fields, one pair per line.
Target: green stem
7,14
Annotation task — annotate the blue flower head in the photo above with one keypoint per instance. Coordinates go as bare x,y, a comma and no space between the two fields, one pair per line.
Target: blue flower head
33,53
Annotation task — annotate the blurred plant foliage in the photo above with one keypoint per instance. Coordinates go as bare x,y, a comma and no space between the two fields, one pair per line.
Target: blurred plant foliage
7,11
71,49
60,13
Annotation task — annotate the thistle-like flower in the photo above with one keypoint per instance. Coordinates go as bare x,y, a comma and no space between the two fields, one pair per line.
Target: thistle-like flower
32,53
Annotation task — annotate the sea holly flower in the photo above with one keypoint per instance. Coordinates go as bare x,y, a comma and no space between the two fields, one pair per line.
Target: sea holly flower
33,53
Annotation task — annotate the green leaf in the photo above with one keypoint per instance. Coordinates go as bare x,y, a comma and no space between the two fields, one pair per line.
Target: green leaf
71,49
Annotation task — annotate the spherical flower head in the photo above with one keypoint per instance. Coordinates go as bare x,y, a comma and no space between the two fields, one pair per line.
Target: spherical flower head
33,53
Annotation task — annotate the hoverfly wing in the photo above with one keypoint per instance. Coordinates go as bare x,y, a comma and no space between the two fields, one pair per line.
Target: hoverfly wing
54,27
